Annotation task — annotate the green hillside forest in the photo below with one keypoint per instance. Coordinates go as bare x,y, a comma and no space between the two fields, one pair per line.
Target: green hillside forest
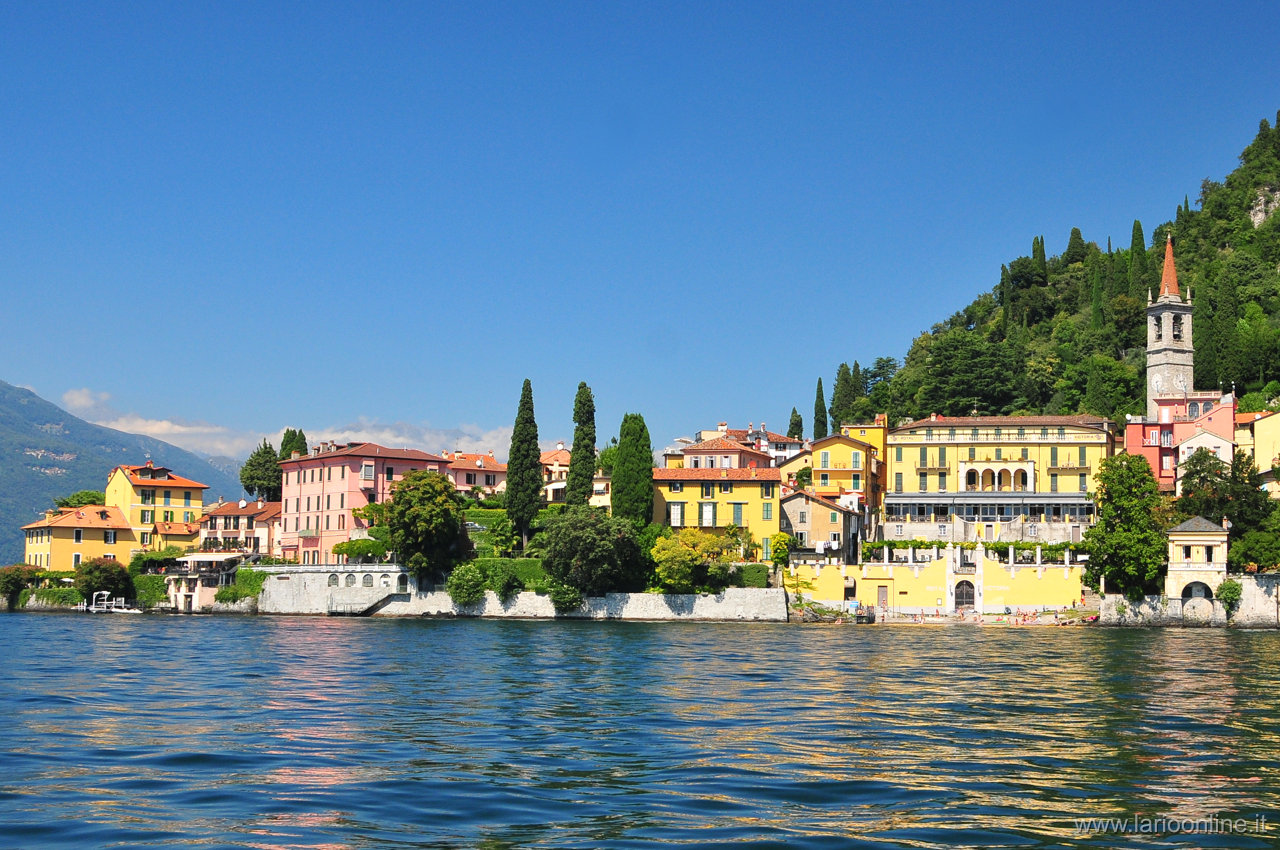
46,453
1067,333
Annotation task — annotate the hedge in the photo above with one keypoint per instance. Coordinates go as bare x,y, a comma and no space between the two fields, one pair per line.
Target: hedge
753,575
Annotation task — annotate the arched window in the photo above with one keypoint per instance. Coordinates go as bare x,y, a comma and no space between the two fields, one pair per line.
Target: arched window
402,583
1197,590
367,581
1193,409
964,595
385,581
333,579
351,579
971,479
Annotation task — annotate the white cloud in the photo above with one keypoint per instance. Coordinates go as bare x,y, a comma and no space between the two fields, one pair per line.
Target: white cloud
193,435
85,401
464,438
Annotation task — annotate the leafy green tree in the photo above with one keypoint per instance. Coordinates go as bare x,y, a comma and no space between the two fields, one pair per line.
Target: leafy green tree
362,551
593,552
293,441
503,537
692,559
260,475
145,562
466,584
98,574
14,579
780,546
524,467
582,461
795,429
1077,250
804,477
427,523
820,414
80,498
1213,489
632,485
608,456
1127,543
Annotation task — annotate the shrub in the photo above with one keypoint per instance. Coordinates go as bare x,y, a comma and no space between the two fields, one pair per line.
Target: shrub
466,584
248,584
13,579
51,596
753,575
102,574
1230,592
149,590
502,579
565,598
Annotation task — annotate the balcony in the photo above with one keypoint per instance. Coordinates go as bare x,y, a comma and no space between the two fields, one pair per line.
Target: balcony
932,467
308,533
1068,467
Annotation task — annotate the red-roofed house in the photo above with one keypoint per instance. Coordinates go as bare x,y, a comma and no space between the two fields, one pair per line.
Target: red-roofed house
246,526
163,508
67,536
555,474
471,470
715,498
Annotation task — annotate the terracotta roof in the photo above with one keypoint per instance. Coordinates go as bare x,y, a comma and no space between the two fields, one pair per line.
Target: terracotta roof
1246,418
840,437
740,435
173,481
822,500
469,461
560,456
765,474
1169,277
250,509
1199,525
369,450
89,516
183,528
723,444
1029,421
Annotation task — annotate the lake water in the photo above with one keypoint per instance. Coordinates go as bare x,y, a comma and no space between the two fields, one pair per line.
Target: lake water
293,732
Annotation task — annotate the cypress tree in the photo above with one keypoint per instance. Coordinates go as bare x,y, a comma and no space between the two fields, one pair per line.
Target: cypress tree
632,482
795,430
1226,314
1096,292
260,475
843,397
293,441
524,467
1139,287
1076,249
820,414
1037,254
582,462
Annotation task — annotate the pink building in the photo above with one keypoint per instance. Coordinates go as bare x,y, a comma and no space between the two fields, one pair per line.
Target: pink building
320,490
1178,420
469,471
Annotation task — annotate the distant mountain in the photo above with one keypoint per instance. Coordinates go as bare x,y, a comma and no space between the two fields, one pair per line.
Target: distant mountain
228,466
46,453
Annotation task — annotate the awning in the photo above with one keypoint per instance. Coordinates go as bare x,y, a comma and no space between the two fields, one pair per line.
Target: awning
210,557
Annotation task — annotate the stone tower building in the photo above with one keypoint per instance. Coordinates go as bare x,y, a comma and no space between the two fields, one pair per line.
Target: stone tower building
1170,353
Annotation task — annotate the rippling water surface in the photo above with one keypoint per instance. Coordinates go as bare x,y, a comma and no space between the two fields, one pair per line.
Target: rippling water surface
279,732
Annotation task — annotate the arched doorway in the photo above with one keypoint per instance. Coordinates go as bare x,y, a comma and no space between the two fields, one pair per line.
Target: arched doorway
1197,590
964,594
1004,480
971,479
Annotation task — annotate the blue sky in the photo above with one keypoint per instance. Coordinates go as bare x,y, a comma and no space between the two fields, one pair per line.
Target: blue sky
375,220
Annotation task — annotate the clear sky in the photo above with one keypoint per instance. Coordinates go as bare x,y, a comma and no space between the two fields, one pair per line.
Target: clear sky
376,219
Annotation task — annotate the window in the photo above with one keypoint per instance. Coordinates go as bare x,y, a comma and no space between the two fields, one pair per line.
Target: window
942,482
766,512
327,501
825,460
766,550
1024,454
833,517
168,516
333,579
342,498
942,455
897,454
1084,483
343,473
856,483
168,495
999,454
951,434
471,478
1208,554
78,535
766,490
707,519
997,433
330,473
804,517
737,514
675,514
1044,433
391,472
148,517
973,453
973,434
366,472
1186,553
1022,433
824,479
366,580
1053,456
1053,482
490,479
148,497
189,516
897,482
855,460
726,486
326,522
309,502
342,521
75,560
924,456
675,487
1084,456
186,498
924,482
928,433
1062,433
708,490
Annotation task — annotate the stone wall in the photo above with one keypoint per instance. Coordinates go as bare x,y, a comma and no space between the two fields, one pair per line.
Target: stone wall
296,589
1259,608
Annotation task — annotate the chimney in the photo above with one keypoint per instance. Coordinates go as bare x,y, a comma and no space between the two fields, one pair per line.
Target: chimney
560,445
490,452
295,455
261,504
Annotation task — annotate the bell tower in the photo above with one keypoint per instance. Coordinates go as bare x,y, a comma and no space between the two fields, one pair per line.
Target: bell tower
1170,353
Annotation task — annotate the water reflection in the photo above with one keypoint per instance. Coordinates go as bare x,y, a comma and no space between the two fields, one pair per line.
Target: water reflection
325,732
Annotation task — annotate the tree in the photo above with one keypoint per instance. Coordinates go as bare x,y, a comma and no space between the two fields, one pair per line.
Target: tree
99,574
844,398
153,562
632,496
292,441
608,456
795,429
427,523
1127,543
14,579
466,584
592,552
524,467
502,537
1139,287
1213,489
1077,250
692,559
80,498
260,475
582,462
820,414
363,551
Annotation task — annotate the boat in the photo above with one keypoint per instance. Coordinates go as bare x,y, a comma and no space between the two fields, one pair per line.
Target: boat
104,604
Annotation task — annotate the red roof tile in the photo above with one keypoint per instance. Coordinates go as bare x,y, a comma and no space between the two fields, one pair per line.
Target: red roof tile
173,481
765,474
723,444
1169,277
88,516
371,451
183,528
560,456
1246,418
467,460
740,435
250,509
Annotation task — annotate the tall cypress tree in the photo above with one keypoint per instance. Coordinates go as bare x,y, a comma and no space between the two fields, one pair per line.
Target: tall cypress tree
795,429
582,462
524,467
1076,248
1226,315
293,441
844,395
1096,291
632,481
1139,286
820,414
1037,254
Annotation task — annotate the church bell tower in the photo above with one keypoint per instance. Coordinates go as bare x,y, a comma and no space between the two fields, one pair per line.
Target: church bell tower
1170,353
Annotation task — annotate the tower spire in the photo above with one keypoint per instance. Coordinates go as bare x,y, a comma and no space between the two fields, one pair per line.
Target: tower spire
1169,278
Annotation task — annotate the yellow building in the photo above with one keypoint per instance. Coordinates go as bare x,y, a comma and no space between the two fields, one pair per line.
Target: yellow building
943,580
841,465
1258,436
67,536
994,478
716,498
161,508
876,433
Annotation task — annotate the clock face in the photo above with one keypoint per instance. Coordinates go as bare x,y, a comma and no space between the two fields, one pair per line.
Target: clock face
1157,383
1180,382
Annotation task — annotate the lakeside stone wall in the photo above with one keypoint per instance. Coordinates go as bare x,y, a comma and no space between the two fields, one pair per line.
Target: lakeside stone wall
327,589
1259,608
